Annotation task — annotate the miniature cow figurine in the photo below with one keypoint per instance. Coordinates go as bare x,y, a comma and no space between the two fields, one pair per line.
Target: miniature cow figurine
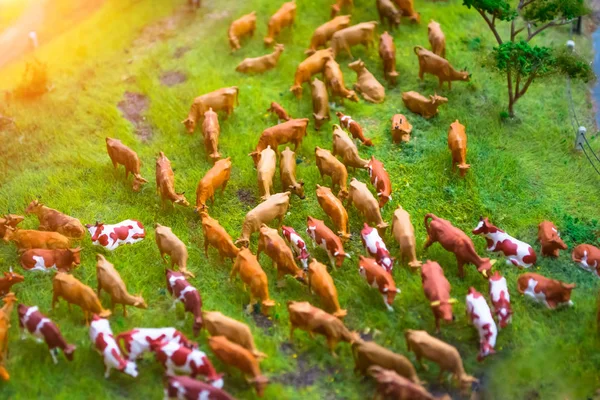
29,239
275,248
353,127
9,220
327,240
322,284
331,166
55,221
75,292
168,243
588,258
393,386
370,353
46,259
387,53
381,180
481,317
366,204
324,32
419,104
376,247
165,182
183,291
216,177
237,332
334,208
211,131
388,11
137,341
184,387
252,275
287,172
5,312
519,253
343,39
112,283
339,4
550,240
297,244
379,278
408,10
320,101
344,147
404,233
282,18
401,128
265,170
455,241
437,39
550,292
223,99
110,237
292,131
102,337
334,80
215,235
243,26
500,299
430,63
42,328
313,64
313,320
366,84
274,207
457,143
9,279
278,110
121,154
234,355
258,65
437,290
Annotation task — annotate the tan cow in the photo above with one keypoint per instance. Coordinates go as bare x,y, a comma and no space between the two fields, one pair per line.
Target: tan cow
215,235
320,102
253,276
218,324
30,239
258,65
243,26
287,172
216,177
408,10
324,32
321,282
387,10
274,207
292,131
366,84
334,80
224,99
387,53
121,154
344,147
404,233
168,243
331,166
419,104
211,131
457,143
430,63
401,128
110,280
393,386
55,221
437,39
165,182
275,248
9,220
265,170
282,18
363,33
278,110
313,64
75,292
366,204
334,208
370,353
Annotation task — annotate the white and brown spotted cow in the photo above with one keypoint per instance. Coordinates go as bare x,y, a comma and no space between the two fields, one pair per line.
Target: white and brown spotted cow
102,337
186,388
136,342
500,299
327,240
481,317
297,244
183,291
112,236
376,247
519,253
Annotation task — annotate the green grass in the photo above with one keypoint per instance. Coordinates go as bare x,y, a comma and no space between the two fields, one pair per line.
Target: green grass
521,173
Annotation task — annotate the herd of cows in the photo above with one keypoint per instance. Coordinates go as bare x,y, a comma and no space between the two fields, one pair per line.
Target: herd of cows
50,247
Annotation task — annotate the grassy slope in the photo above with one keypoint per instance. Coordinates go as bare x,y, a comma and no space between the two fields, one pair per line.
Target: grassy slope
521,173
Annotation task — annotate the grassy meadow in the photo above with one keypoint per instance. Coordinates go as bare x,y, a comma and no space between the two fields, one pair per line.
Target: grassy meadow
522,172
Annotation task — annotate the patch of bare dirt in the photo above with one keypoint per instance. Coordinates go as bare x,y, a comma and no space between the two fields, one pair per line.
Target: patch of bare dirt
246,197
217,15
262,322
133,106
164,28
180,51
304,375
172,78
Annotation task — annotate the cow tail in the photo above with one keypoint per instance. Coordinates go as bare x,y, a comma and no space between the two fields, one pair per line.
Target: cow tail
425,221
417,48
120,342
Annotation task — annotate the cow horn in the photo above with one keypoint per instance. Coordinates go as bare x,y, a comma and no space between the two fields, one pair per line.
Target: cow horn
484,273
385,290
10,269
452,301
348,255
436,303
397,290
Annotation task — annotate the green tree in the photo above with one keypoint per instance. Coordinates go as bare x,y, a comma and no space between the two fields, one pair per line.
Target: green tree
515,56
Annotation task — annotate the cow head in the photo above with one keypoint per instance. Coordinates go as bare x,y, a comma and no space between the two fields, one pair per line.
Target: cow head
198,322
564,295
298,189
9,298
181,200
267,306
357,65
255,156
279,48
340,256
484,227
139,302
390,294
443,309
13,220
485,350
437,100
485,267
268,41
343,194
95,230
157,343
22,310
75,256
557,243
260,383
130,369
466,381
190,124
68,351
297,90
352,96
464,75
137,183
33,207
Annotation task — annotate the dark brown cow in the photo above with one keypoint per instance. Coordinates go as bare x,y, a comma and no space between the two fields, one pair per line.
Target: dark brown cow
437,290
388,11
550,239
47,259
278,110
8,280
9,220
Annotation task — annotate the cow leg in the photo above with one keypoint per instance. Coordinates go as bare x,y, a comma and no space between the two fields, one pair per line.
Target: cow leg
449,85
280,221
173,305
331,342
421,74
53,353
389,308
124,310
461,269
99,289
162,255
107,372
206,247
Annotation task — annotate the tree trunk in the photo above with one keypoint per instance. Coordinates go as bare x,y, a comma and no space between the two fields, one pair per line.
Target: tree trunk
511,108
511,96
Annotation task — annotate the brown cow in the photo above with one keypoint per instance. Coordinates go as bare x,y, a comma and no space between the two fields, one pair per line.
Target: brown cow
321,282
331,166
334,208
313,320
430,63
282,18
278,110
223,99
274,207
419,104
550,292
550,240
408,10
446,356
121,154
334,80
275,248
243,26
387,10
353,127
246,264
258,65
215,235
457,143
287,172
168,243
339,4
112,283
437,39
75,292
30,239
381,180
265,171
387,53
376,276
216,177
45,260
292,131
211,131
5,312
401,128
320,102
313,64
456,241
365,203
9,279
232,354
366,84
324,32
11,220
370,353
55,221
404,233
344,147
343,39
588,258
218,324
327,240
393,386
437,290
165,182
